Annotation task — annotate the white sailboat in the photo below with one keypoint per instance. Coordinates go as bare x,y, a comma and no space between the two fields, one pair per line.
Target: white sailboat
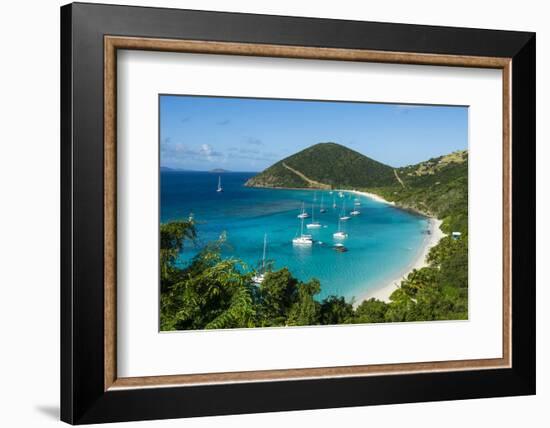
303,214
343,215
355,212
334,202
322,209
220,188
340,234
357,203
302,240
260,276
314,224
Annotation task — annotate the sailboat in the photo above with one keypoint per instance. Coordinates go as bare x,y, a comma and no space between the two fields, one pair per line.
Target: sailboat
259,277
220,188
302,239
303,214
357,202
322,208
340,234
314,224
355,212
343,215
334,202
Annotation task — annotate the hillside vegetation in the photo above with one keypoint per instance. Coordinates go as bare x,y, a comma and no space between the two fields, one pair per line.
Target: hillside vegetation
437,187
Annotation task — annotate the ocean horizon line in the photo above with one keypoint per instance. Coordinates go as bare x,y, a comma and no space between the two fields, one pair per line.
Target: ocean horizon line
211,171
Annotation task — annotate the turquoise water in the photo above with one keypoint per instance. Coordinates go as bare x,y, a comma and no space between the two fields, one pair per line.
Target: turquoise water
382,241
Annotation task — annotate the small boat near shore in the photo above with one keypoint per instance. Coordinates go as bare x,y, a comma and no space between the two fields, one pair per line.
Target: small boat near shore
343,215
314,224
340,234
302,239
304,213
322,209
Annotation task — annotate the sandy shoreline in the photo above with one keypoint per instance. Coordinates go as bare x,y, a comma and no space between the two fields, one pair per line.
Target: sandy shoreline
384,292
368,195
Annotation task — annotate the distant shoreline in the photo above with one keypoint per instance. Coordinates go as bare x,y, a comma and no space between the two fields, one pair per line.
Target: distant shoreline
370,195
167,169
384,291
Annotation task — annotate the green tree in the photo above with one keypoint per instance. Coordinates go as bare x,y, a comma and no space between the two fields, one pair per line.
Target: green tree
172,238
306,310
419,279
210,293
335,310
371,311
278,292
401,308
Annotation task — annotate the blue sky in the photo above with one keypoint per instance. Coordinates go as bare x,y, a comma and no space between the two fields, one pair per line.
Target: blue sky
244,134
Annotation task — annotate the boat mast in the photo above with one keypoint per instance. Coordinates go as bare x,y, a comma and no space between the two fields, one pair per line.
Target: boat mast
263,258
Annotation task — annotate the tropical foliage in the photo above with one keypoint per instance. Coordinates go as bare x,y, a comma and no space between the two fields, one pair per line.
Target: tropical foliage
437,187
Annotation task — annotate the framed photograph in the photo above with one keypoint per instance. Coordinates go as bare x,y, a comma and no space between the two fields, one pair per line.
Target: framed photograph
266,213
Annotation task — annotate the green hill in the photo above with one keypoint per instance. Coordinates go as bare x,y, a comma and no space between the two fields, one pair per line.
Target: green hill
325,165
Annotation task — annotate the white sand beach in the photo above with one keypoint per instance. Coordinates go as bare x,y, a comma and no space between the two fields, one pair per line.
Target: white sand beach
384,292
371,196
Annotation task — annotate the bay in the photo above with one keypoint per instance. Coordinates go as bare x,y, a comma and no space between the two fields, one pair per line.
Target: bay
382,241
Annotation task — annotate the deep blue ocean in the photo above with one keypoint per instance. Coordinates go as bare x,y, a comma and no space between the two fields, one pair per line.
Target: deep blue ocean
382,241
